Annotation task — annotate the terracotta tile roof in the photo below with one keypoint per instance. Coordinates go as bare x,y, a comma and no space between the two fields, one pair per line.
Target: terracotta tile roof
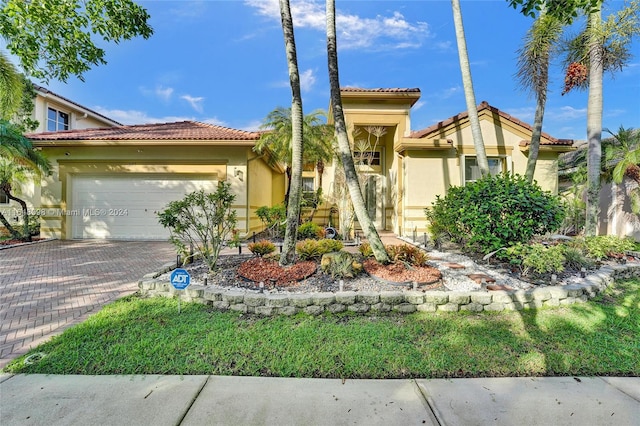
380,90
182,130
546,138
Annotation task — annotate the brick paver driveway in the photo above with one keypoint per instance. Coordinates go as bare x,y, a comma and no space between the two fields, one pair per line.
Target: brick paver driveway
49,286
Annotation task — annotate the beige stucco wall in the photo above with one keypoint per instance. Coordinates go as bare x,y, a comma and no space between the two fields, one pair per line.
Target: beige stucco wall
616,216
430,172
78,119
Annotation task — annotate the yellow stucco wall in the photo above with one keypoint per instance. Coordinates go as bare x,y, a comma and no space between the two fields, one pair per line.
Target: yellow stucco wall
52,196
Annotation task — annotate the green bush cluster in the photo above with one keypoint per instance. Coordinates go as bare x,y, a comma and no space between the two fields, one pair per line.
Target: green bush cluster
310,230
262,248
494,212
406,253
603,246
575,254
273,218
365,250
314,249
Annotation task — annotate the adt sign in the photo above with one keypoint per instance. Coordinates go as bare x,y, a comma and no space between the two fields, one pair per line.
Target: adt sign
180,279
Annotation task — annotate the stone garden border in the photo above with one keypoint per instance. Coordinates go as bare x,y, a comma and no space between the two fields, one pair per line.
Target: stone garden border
406,301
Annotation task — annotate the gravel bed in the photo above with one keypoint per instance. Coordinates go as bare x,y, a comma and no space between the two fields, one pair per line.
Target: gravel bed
225,277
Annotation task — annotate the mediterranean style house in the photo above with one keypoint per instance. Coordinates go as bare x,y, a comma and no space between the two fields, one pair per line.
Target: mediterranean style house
110,180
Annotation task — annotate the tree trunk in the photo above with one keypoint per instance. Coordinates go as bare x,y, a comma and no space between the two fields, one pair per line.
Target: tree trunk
536,134
467,83
288,256
25,215
344,148
14,232
594,124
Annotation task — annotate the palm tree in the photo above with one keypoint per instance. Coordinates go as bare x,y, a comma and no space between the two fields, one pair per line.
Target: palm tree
467,83
317,141
602,46
18,158
295,188
344,148
533,75
623,150
11,88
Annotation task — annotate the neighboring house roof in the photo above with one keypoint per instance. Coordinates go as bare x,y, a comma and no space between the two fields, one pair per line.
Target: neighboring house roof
178,131
438,129
44,92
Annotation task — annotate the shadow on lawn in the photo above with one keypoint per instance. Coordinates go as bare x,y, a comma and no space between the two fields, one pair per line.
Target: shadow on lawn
148,336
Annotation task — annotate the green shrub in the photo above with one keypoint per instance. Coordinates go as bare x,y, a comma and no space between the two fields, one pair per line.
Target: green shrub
365,250
406,253
328,245
340,264
262,248
309,249
494,212
310,230
575,258
273,218
603,246
190,227
314,249
543,259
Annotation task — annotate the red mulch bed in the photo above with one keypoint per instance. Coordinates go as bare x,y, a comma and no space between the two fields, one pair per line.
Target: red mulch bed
399,272
270,272
14,242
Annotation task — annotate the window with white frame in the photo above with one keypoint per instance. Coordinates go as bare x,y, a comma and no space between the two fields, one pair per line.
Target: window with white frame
57,120
308,185
471,169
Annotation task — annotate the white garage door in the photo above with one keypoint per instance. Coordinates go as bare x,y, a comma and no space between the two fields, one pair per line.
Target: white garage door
124,208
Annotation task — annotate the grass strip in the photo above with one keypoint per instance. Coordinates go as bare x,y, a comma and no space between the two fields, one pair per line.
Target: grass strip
148,336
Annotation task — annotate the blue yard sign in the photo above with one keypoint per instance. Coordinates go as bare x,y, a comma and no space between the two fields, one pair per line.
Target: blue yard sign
180,279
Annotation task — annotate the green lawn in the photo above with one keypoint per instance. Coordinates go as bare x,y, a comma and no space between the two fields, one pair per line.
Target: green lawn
148,336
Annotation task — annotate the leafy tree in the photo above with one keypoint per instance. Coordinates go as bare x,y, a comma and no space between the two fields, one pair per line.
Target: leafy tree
297,125
467,84
563,10
53,38
202,221
344,148
533,74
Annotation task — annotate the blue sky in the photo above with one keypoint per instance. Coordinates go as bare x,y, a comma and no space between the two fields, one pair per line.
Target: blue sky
223,62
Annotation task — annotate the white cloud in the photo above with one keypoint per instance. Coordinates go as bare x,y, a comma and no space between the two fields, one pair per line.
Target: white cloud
195,102
449,92
525,114
164,93
307,80
418,105
140,117
354,32
567,113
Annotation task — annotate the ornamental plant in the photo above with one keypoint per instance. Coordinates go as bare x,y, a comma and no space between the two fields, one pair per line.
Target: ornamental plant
201,220
494,212
262,248
310,230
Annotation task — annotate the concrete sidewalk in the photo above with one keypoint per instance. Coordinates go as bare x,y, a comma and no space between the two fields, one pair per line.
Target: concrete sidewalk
220,400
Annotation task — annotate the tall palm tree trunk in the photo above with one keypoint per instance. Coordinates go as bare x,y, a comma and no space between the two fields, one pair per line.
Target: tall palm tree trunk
594,124
467,84
344,148
536,134
293,207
